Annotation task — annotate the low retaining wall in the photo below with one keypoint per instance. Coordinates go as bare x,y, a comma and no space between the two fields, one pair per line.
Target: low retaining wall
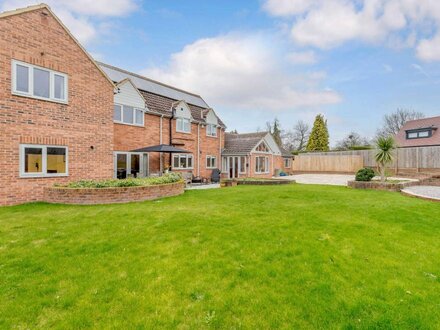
264,182
92,196
377,185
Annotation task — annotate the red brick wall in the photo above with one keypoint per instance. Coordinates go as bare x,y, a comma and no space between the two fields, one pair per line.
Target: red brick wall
86,121
128,138
111,195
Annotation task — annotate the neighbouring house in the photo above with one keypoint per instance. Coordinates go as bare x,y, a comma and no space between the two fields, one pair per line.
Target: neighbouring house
254,155
419,133
65,117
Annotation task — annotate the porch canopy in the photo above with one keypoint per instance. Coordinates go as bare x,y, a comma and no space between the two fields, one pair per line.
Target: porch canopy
162,148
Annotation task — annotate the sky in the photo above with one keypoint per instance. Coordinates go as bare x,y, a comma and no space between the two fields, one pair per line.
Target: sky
253,61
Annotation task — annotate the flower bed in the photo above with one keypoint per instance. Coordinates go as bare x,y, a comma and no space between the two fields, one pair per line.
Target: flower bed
115,191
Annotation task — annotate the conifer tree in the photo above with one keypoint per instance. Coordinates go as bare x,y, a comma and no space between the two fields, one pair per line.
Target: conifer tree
319,137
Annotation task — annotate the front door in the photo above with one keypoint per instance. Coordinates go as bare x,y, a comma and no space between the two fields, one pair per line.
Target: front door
131,165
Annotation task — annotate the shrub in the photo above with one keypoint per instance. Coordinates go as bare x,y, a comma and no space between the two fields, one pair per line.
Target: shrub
365,174
112,183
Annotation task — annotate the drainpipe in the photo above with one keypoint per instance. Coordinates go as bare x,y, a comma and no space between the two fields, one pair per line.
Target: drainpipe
161,142
198,149
173,114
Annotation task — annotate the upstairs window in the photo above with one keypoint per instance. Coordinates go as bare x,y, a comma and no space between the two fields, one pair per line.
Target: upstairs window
262,147
183,125
124,114
418,134
211,130
37,82
182,161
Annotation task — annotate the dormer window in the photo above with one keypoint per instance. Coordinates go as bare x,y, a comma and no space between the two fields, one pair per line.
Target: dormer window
419,133
211,130
183,125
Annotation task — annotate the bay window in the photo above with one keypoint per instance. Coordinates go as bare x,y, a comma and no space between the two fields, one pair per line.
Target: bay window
43,161
37,82
182,161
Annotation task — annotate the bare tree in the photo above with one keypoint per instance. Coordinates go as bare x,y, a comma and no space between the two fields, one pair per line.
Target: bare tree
296,140
392,123
351,141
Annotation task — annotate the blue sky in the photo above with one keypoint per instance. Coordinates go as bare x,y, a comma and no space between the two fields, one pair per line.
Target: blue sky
252,61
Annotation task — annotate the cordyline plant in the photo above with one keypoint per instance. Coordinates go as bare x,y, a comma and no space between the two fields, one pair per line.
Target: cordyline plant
384,155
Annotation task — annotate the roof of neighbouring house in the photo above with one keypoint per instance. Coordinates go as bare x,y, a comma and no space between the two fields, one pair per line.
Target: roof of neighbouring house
160,98
425,123
242,143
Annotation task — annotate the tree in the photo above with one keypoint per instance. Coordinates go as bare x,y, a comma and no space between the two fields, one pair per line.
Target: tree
275,130
392,123
319,137
384,155
351,141
296,140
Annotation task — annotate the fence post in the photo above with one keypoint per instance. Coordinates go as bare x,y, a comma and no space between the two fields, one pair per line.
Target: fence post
417,160
397,161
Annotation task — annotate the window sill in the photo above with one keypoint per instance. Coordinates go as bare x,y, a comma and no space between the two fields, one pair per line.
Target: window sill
42,176
183,132
212,136
40,98
126,124
182,169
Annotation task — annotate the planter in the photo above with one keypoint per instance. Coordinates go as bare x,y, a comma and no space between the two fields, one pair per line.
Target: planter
377,185
92,196
230,183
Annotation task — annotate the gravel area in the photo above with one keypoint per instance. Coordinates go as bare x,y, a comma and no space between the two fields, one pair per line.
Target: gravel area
326,179
429,192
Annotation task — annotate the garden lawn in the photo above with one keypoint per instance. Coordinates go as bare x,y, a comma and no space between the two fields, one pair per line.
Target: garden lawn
289,256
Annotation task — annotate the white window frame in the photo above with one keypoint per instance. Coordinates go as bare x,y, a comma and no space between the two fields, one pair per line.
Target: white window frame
30,93
266,165
134,115
142,163
242,163
289,162
183,120
43,173
211,130
209,159
187,156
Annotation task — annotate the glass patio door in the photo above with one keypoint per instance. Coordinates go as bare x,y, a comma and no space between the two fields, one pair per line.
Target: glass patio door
233,167
131,165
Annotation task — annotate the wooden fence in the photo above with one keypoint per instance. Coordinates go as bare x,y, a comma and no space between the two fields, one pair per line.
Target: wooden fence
328,163
405,159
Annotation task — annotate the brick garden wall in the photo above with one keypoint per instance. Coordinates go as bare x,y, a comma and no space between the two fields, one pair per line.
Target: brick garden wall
37,38
85,196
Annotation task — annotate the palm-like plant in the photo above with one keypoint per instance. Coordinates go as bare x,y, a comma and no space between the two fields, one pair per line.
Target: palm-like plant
384,155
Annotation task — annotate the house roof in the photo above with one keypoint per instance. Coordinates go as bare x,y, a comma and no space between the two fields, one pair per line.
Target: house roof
432,122
242,143
152,86
46,7
161,98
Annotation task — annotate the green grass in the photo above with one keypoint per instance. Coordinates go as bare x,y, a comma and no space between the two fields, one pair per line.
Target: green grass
290,256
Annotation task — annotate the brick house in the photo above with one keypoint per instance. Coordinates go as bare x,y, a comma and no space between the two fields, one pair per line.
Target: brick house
55,107
419,133
65,117
254,155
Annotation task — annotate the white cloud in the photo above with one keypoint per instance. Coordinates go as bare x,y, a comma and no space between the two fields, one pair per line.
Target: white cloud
242,71
306,57
78,15
330,23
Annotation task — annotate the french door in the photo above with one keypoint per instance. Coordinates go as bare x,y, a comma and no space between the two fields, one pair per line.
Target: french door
130,165
234,166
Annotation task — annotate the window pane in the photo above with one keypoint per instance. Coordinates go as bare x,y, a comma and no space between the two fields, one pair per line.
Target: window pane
139,117
242,164
176,161
117,113
128,114
135,165
22,79
424,134
59,89
121,166
182,163
412,135
190,161
33,162
41,83
56,160
187,127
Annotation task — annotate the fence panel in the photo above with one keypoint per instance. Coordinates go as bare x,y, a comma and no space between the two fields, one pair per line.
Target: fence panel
328,163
